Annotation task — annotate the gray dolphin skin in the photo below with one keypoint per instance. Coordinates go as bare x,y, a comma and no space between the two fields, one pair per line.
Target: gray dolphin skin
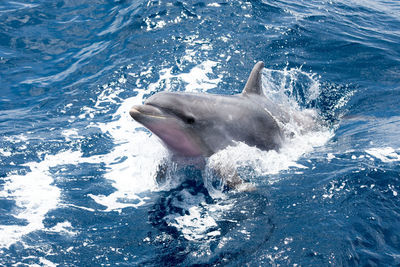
200,124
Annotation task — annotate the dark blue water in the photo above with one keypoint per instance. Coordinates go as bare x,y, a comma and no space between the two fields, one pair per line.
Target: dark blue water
77,175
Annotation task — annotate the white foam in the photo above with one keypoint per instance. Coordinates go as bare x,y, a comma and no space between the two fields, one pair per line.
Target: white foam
385,154
34,195
392,188
199,223
194,225
214,5
133,162
197,79
70,134
46,262
280,86
132,165
5,152
334,188
16,138
157,23
269,162
330,156
64,228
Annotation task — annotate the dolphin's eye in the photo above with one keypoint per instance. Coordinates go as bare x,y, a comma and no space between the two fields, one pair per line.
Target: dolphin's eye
189,120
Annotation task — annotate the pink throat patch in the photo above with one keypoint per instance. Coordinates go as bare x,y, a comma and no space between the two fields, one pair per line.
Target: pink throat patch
176,139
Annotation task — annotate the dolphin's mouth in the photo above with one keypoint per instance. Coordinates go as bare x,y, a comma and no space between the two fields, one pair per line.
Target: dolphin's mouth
147,110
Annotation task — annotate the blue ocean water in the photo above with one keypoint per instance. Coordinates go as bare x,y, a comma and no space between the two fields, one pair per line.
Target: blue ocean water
78,176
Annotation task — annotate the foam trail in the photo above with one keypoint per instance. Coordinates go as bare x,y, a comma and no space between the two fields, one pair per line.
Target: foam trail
34,196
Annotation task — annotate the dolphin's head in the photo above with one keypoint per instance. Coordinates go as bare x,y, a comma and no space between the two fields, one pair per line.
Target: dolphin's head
178,119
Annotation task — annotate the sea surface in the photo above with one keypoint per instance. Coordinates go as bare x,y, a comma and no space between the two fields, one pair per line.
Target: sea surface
78,176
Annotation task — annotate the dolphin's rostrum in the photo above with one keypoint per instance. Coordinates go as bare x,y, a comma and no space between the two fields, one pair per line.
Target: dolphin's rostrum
201,124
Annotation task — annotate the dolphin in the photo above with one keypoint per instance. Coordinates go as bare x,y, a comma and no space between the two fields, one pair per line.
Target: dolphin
201,124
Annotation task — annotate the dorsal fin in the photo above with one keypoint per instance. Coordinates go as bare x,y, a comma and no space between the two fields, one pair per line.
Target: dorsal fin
253,85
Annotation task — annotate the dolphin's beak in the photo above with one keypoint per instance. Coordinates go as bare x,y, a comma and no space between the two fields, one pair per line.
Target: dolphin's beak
134,112
141,111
